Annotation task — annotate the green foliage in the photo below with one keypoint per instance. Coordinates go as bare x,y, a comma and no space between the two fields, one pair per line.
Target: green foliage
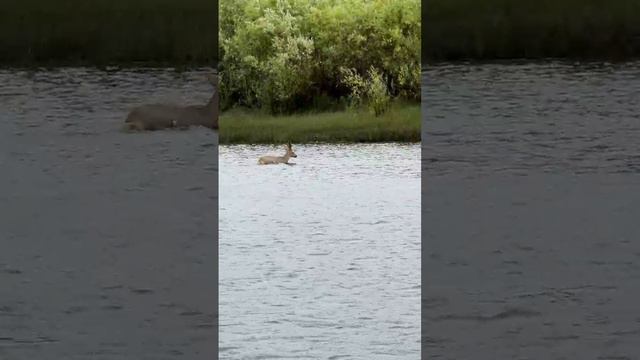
371,90
103,32
280,55
357,85
531,29
377,93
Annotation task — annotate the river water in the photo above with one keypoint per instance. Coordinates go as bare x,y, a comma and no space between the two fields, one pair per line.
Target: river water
107,239
531,201
530,208
320,260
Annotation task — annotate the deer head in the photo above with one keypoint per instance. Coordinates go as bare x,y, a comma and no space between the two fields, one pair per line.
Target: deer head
290,150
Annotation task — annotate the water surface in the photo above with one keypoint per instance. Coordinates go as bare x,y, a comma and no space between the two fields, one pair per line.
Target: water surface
107,239
320,260
530,204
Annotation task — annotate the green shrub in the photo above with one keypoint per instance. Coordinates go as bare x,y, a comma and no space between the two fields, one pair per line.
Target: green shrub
371,90
377,93
280,55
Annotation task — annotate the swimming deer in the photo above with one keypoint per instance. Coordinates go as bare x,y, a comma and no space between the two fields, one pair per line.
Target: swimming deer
266,160
163,116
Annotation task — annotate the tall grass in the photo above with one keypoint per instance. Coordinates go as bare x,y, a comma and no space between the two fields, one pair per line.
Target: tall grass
400,124
102,32
508,29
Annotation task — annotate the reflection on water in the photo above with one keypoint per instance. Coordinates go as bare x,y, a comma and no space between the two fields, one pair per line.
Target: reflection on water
106,238
320,260
531,201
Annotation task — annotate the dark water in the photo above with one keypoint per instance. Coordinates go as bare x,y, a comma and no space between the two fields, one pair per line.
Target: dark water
107,239
320,260
531,203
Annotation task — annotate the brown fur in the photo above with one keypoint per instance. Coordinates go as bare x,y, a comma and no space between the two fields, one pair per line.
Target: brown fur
165,116
268,160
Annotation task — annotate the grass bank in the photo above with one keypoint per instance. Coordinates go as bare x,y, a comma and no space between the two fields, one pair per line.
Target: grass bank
106,32
400,124
530,29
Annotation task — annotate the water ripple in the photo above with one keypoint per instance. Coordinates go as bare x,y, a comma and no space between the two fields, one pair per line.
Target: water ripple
531,198
323,256
109,227
509,119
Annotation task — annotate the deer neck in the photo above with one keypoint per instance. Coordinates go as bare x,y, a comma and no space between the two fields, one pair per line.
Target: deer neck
286,157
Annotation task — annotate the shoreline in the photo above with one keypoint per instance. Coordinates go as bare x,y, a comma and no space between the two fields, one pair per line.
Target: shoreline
534,61
162,65
401,124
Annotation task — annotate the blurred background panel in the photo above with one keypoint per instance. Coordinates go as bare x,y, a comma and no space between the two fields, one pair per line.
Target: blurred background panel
103,32
507,29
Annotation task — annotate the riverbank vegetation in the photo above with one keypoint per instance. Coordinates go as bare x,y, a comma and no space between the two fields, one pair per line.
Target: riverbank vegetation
304,70
319,71
508,29
401,123
109,32
288,56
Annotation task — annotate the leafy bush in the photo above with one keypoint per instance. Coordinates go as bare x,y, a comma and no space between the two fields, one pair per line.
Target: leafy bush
357,86
377,93
371,90
280,55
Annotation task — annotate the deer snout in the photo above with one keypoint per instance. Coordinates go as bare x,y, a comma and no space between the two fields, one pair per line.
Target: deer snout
294,155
